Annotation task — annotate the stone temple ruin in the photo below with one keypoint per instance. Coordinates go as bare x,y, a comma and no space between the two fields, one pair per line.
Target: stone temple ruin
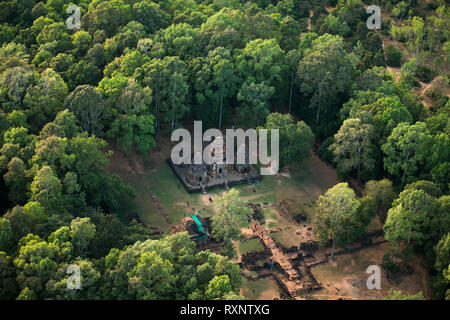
200,177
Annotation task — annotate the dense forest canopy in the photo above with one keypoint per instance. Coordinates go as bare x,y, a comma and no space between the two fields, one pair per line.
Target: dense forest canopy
138,68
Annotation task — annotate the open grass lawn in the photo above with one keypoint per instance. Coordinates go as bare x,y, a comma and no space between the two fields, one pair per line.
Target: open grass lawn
145,207
249,245
169,190
264,288
143,203
286,238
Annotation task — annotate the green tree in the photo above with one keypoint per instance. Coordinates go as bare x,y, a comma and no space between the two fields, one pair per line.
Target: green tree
16,179
107,16
67,122
290,31
90,276
155,78
82,41
442,251
83,73
399,295
261,61
96,55
46,189
224,78
218,287
337,217
52,151
82,231
150,15
295,138
325,71
429,187
21,222
232,215
254,107
168,268
167,79
383,194
393,56
110,88
177,93
409,219
8,284
406,151
179,40
134,123
13,85
55,34
5,234
88,107
387,113
152,277
418,28
353,147
36,264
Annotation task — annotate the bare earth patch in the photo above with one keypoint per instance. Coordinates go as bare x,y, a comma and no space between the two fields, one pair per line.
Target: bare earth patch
346,278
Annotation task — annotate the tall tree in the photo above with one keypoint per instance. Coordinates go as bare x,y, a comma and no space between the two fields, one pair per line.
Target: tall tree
46,189
325,71
45,99
5,234
261,61
134,123
293,58
167,79
296,139
82,231
16,179
88,107
382,192
409,219
353,147
231,215
336,217
224,78
254,106
406,151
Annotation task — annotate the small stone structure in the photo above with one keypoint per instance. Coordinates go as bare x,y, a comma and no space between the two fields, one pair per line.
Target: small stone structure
200,177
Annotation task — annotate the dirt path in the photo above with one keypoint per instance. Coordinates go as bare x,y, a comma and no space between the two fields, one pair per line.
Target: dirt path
424,87
293,282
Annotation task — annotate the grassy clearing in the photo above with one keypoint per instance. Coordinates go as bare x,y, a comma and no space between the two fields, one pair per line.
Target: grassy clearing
264,288
174,197
269,214
143,203
145,207
286,238
249,245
